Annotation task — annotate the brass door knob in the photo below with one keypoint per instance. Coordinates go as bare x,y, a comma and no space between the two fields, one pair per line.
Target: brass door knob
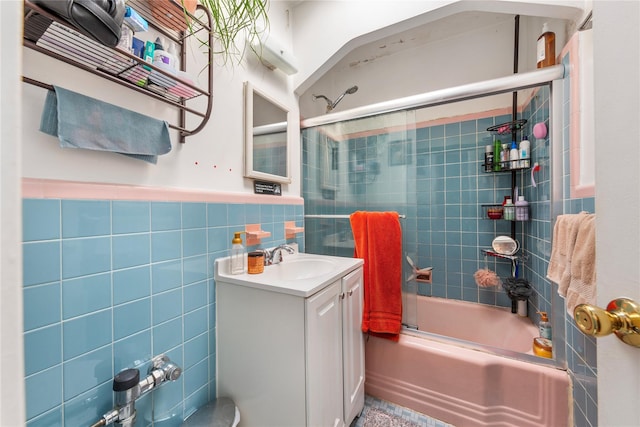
622,317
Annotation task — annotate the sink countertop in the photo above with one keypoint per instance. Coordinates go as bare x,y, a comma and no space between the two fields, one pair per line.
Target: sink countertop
303,287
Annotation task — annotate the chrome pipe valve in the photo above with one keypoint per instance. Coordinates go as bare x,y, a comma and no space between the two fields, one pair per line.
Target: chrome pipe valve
128,388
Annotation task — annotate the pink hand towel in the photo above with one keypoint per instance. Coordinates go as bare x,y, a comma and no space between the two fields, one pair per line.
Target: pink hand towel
565,233
582,277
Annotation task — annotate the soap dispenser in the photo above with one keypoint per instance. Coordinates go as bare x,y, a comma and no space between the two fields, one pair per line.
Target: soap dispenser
238,258
544,325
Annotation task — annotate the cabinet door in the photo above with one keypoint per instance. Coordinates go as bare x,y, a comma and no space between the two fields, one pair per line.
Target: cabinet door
353,344
324,358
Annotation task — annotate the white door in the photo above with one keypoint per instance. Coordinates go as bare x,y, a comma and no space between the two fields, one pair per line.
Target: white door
616,43
324,358
352,344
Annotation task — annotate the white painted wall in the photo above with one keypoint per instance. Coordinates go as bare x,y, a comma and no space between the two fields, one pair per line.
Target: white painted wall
12,404
326,30
217,150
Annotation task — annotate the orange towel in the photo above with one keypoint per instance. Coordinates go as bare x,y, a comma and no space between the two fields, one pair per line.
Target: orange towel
378,241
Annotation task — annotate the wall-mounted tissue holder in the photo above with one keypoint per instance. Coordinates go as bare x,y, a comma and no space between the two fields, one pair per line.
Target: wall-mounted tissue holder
255,234
290,229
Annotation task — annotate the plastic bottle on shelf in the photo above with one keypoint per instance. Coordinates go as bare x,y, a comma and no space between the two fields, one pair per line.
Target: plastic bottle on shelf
525,155
496,155
514,156
488,158
522,209
163,58
238,258
546,48
509,210
504,156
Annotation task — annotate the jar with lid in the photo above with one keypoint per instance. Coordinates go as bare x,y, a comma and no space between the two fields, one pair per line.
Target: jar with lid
255,261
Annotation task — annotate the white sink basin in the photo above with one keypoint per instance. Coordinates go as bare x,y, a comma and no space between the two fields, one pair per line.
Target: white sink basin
300,268
298,274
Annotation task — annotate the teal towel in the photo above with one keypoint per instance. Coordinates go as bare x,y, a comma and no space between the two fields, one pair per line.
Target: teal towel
83,122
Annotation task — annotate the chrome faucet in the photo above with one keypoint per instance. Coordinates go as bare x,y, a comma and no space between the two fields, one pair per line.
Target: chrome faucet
275,255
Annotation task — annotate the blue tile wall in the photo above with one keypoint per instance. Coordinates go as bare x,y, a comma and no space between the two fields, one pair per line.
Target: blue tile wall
109,284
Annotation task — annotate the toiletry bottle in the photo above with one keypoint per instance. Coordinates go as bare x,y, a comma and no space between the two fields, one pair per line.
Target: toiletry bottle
238,258
514,156
496,155
546,48
509,210
173,59
505,156
522,209
544,325
525,160
488,158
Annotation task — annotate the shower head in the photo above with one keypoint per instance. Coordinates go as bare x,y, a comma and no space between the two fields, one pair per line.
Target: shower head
332,104
351,90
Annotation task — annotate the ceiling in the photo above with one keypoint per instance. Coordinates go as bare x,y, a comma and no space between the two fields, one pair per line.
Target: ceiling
435,31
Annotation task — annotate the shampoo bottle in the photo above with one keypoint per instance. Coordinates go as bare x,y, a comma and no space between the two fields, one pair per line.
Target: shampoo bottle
238,258
525,161
514,156
546,48
544,326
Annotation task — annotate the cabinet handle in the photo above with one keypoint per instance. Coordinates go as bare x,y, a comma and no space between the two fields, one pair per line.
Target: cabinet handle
341,295
350,292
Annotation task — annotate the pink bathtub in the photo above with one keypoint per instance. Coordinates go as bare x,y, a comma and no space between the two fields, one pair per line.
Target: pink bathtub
460,383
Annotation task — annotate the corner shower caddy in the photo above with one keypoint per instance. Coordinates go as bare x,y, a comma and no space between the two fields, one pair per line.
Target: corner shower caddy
512,127
54,37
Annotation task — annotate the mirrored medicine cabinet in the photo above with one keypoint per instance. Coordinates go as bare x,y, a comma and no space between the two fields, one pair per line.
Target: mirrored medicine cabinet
266,137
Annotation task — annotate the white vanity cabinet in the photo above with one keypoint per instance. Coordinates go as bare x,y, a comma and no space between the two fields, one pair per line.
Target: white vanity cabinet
292,357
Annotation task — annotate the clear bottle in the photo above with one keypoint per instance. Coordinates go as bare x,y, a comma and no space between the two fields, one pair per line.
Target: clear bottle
525,155
546,48
522,209
509,210
238,256
544,326
504,156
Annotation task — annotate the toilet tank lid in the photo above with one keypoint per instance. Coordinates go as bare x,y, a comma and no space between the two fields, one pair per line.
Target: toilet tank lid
219,413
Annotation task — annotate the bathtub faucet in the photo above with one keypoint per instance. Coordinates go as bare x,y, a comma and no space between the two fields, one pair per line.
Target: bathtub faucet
274,256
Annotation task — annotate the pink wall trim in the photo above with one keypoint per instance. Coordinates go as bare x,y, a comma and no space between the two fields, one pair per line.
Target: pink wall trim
576,190
35,188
